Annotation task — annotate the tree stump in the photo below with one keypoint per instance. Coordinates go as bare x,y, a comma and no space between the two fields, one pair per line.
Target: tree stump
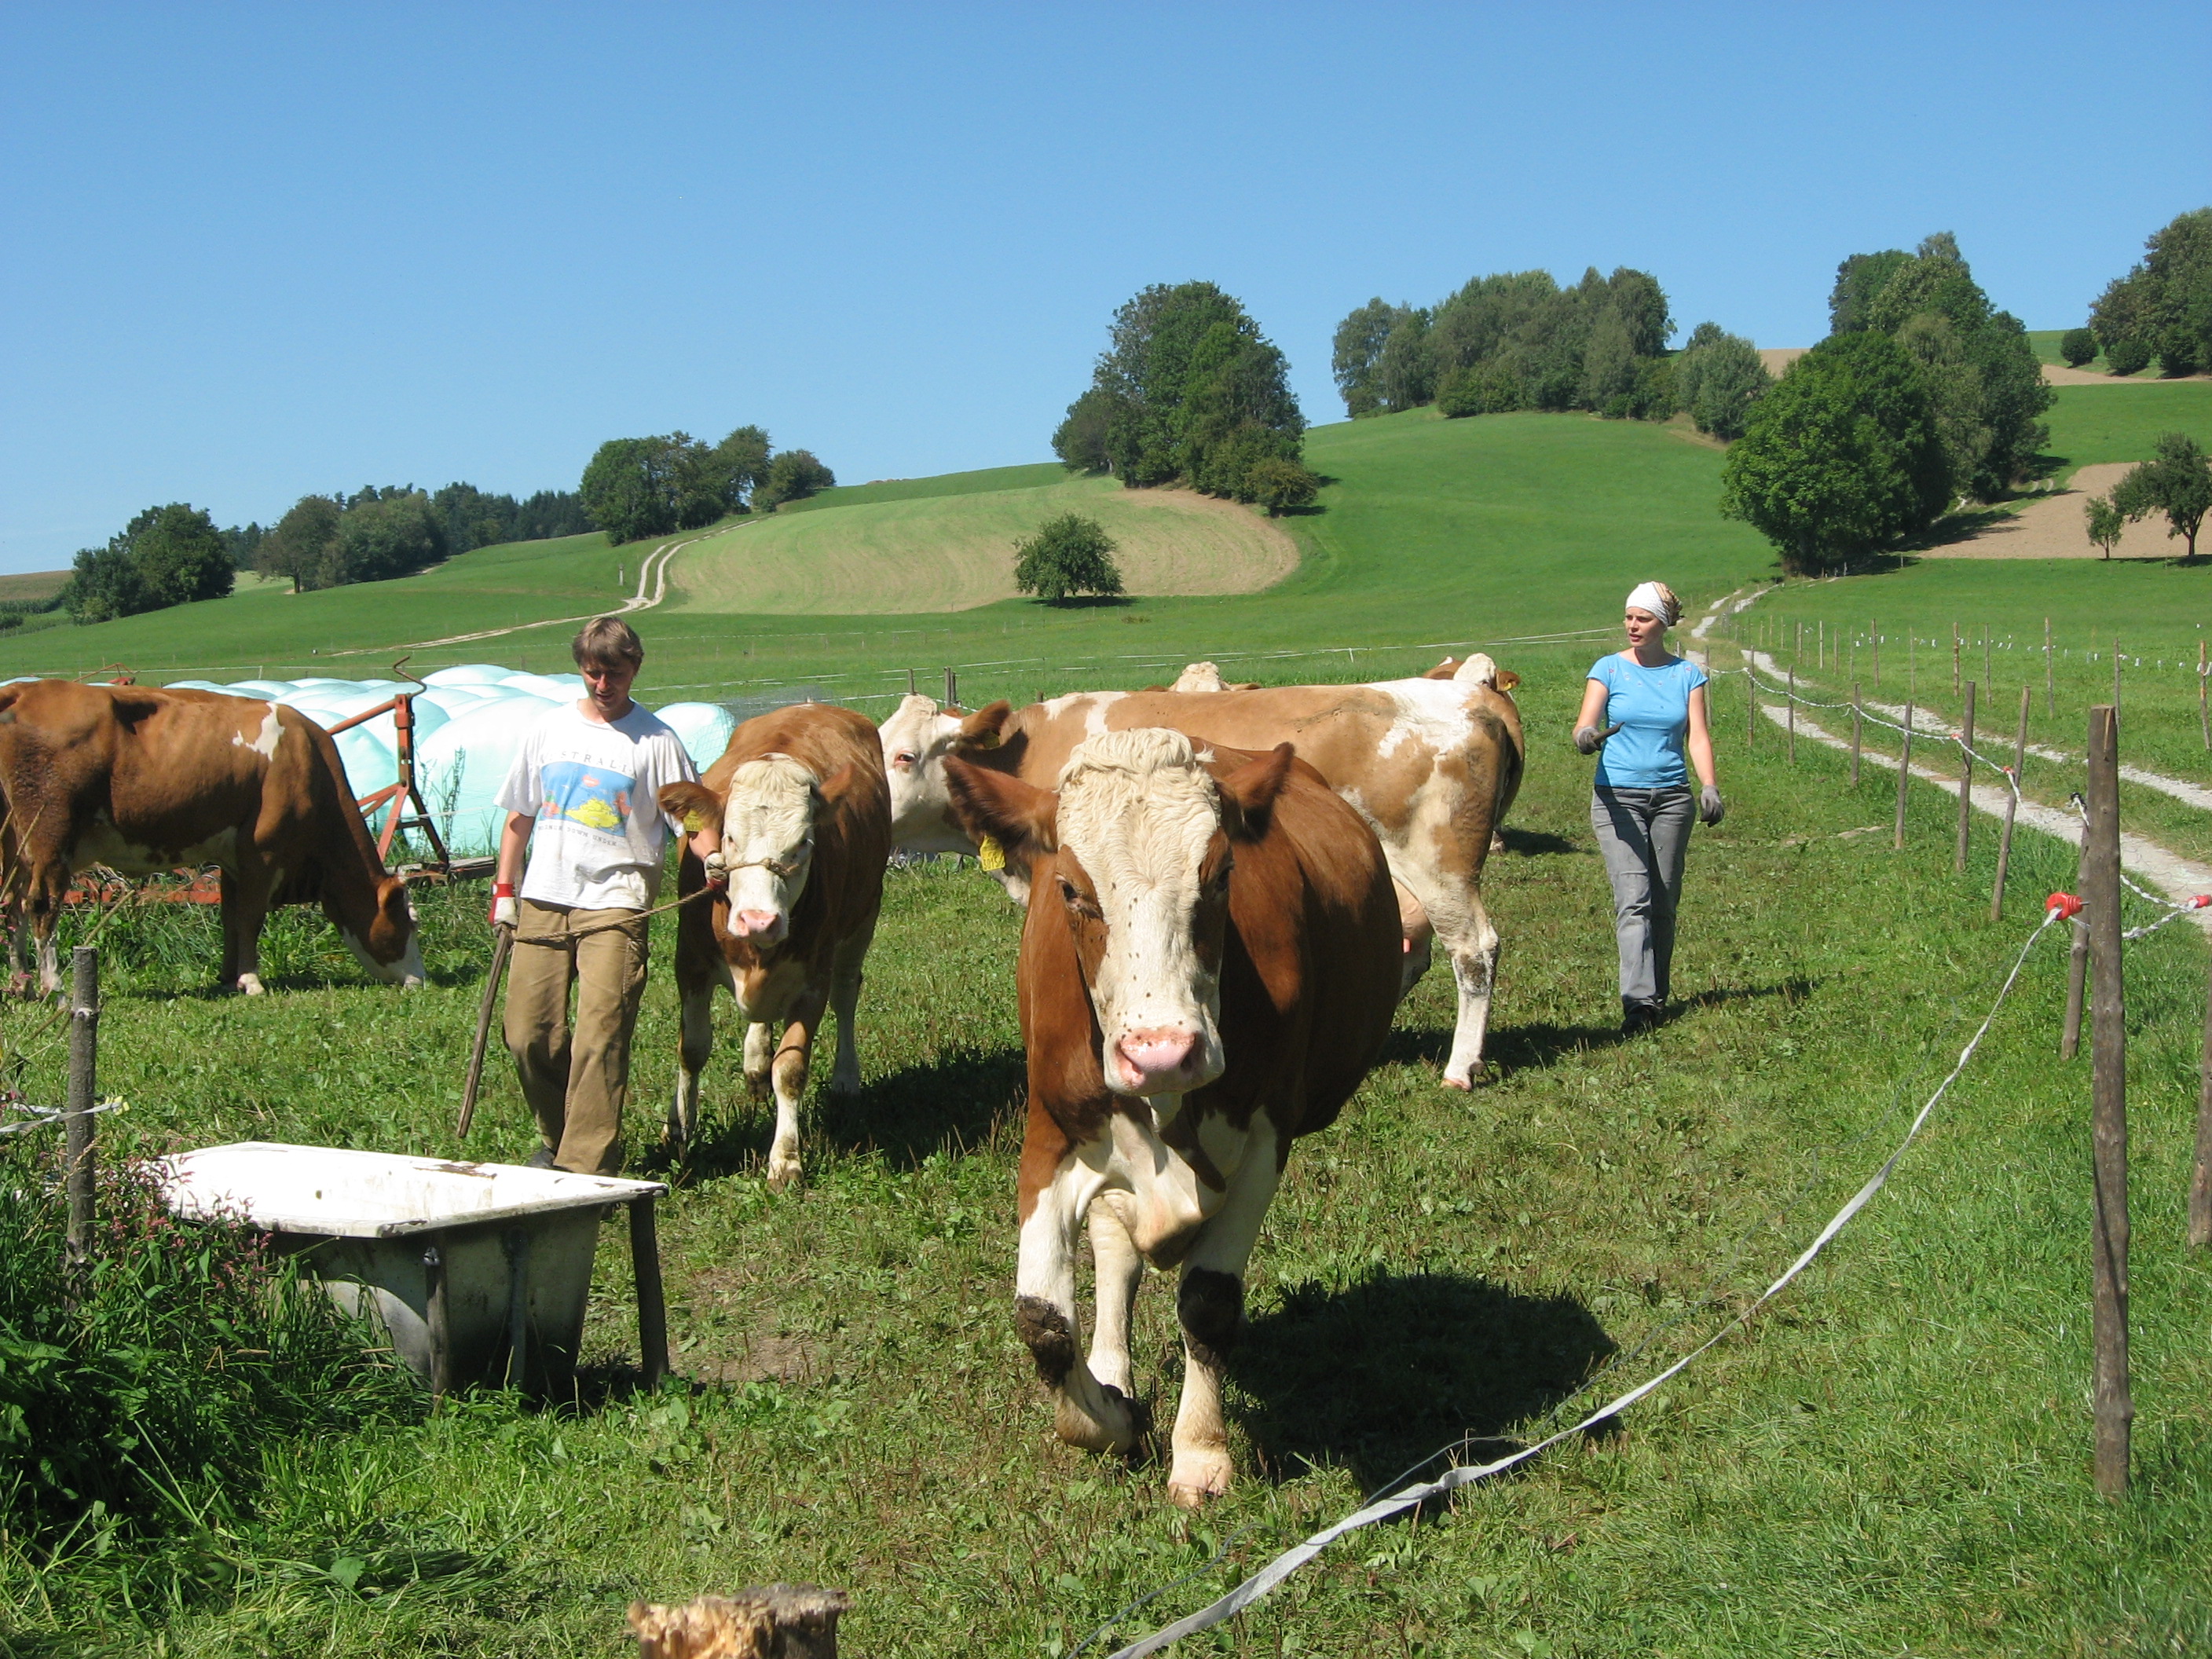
773,1621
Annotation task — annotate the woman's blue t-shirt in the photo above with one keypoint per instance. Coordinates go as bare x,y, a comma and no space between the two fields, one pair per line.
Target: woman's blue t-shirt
1652,708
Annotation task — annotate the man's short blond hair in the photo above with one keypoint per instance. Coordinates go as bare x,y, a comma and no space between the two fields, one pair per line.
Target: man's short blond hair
605,640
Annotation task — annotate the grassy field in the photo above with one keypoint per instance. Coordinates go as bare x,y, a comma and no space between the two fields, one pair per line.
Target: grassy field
31,586
1895,1459
1432,530
953,552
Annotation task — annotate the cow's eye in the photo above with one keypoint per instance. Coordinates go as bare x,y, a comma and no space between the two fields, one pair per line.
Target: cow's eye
1220,882
905,757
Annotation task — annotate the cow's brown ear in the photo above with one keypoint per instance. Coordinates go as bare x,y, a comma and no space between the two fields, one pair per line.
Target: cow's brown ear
1249,793
1019,818
694,806
1506,680
839,783
985,728
1442,670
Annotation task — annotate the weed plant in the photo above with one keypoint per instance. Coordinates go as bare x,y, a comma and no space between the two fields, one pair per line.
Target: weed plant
144,1399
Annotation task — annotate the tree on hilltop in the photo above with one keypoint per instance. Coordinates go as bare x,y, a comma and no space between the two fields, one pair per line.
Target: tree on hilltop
1719,376
1188,389
2176,481
1067,556
2106,523
166,556
793,476
2163,307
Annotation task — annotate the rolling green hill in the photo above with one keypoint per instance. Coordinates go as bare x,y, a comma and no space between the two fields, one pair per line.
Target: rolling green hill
1430,532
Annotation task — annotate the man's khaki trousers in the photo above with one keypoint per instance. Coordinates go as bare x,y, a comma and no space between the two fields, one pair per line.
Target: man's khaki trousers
575,1075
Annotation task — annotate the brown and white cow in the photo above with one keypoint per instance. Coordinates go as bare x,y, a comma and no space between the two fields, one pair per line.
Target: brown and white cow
1432,764
806,821
143,781
1207,970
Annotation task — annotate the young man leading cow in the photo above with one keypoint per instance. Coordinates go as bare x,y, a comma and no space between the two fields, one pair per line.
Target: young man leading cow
583,804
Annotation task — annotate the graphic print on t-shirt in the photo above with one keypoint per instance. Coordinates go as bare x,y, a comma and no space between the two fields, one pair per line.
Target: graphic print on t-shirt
594,797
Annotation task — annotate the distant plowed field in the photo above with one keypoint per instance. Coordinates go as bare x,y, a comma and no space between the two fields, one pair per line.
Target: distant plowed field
956,552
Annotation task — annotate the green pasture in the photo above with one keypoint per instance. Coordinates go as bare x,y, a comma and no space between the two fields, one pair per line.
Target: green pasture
946,552
1430,532
1894,1458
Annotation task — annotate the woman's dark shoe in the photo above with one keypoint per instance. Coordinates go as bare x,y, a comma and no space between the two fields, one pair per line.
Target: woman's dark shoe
1638,1017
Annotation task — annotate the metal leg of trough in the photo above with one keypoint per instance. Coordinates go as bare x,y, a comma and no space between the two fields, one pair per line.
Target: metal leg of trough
652,1309
516,1243
438,1317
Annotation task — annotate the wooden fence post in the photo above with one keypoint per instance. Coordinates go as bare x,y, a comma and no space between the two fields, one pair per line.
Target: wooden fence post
2012,805
1858,733
775,1622
1904,772
79,1160
1873,644
2050,686
952,689
2200,1178
1751,708
2108,1039
1789,708
2203,713
1965,783
2116,677
1954,659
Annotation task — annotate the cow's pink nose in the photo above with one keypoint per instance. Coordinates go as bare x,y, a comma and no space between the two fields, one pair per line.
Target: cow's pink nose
1154,1056
759,924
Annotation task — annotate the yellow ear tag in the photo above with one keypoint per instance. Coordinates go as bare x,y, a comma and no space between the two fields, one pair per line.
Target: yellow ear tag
990,854
694,823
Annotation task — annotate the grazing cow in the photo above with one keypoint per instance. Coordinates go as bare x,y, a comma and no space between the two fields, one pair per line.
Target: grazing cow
143,780
1199,677
1207,970
806,821
1432,764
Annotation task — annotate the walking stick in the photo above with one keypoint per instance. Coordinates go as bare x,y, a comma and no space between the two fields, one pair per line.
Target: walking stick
504,944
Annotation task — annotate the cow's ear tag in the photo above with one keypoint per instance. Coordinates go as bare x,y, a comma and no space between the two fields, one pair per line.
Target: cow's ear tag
986,739
990,854
694,822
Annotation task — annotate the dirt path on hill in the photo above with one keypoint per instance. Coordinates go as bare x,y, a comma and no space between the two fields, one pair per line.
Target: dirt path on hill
2058,374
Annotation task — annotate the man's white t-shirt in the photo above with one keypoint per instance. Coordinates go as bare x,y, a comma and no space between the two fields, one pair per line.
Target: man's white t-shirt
594,789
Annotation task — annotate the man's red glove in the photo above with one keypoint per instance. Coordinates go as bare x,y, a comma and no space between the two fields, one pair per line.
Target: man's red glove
504,913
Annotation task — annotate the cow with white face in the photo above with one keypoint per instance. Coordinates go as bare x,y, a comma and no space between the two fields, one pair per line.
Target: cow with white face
1207,970
806,825
1431,763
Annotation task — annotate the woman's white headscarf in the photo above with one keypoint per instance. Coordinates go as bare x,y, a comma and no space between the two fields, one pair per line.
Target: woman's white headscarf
1658,599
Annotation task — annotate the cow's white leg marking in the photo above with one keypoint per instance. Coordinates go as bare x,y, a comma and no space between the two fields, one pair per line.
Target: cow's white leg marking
760,1050
1462,927
1119,1268
844,999
50,966
1086,1413
1211,1304
694,1048
788,1075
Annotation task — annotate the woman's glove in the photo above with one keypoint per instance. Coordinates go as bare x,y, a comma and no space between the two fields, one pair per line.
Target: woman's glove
1708,806
504,911
1588,738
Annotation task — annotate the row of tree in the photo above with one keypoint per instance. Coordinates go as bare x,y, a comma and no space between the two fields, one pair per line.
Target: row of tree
640,487
2162,308
2176,482
1517,340
172,554
330,541
1920,394
1190,390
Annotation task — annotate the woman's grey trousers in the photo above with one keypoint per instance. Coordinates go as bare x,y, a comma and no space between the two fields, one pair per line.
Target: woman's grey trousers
1643,834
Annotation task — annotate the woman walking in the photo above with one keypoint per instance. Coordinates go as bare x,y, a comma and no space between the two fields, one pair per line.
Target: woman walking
1642,709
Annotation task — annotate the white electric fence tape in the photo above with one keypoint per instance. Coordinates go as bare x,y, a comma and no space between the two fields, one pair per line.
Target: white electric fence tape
42,1117
1466,1474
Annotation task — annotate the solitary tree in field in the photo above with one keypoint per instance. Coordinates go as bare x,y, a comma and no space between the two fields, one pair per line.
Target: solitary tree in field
2176,481
1069,555
1841,458
2106,523
2078,346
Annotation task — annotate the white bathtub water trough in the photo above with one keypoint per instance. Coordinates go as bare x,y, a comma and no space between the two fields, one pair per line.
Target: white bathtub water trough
478,1272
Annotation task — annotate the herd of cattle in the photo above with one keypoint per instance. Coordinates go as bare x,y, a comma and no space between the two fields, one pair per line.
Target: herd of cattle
1228,890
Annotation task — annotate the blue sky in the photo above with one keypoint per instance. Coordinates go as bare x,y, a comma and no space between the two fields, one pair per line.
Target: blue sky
252,252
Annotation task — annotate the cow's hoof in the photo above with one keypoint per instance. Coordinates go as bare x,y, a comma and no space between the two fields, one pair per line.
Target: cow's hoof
1117,1431
1475,1077
251,985
846,1086
1199,1476
782,1173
